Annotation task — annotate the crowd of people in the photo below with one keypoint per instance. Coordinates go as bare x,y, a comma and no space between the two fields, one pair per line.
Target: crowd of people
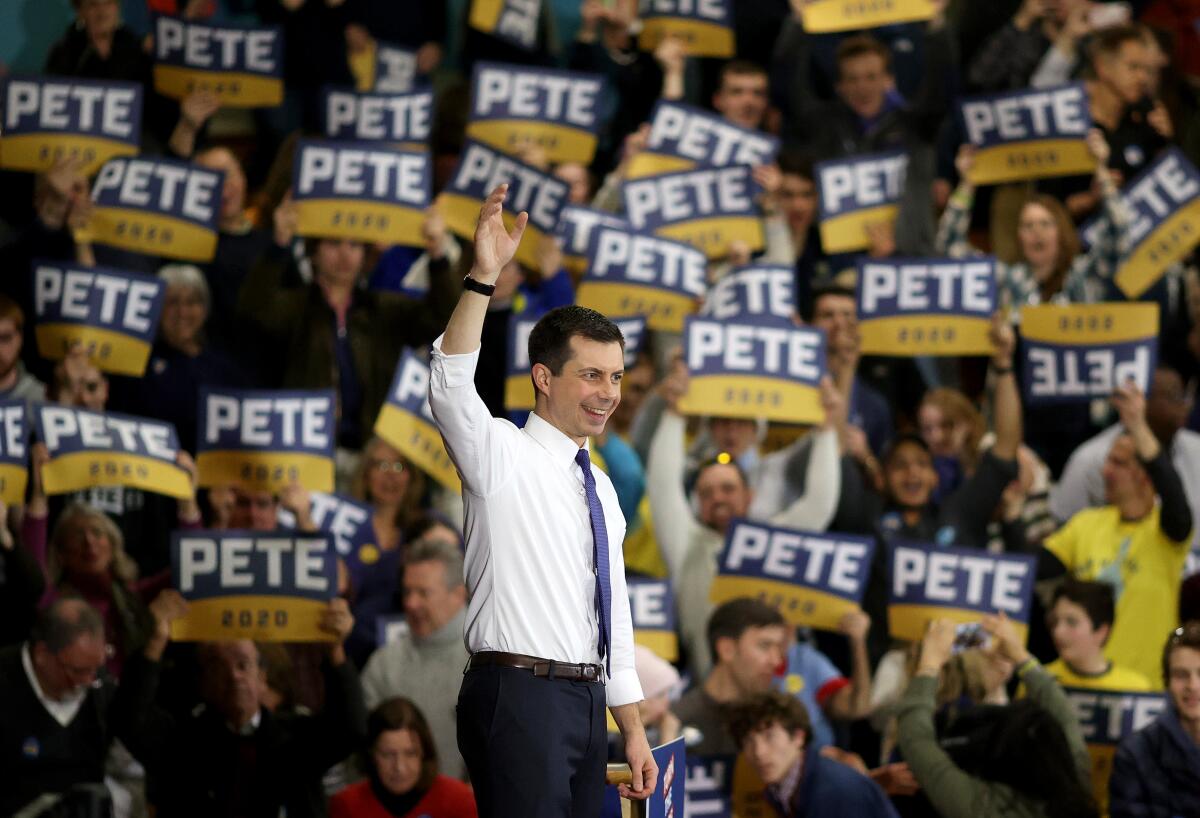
101,710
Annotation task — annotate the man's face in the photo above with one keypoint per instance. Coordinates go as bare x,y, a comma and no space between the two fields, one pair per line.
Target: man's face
99,17
1128,72
733,435
798,196
1183,683
754,657
338,261
183,316
575,175
233,189
11,341
910,476
863,83
835,314
742,99
635,386
773,751
581,398
1168,405
1124,477
254,510
1074,637
723,495
64,674
230,679
428,603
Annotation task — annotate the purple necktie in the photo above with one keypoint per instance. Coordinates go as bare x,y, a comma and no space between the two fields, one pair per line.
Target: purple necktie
599,558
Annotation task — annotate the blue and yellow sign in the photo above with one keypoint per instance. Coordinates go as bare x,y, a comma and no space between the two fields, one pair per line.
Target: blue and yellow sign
652,606
706,26
757,291
242,65
266,439
1165,202
513,21
926,306
855,192
636,274
668,798
406,422
269,587
480,170
683,137
706,207
825,16
575,227
160,207
362,191
395,70
112,313
513,106
709,785
1029,134
14,452
961,584
753,368
1078,352
105,449
405,119
1106,717
812,579
50,118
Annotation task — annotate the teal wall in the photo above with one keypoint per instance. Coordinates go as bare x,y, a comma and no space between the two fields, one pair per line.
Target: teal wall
27,30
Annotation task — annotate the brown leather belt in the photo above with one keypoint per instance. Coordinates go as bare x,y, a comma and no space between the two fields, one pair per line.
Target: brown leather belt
544,668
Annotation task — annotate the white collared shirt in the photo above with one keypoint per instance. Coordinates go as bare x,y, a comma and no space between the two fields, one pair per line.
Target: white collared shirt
64,711
529,534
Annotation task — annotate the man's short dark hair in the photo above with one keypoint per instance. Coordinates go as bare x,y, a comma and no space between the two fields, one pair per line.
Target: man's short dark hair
827,290
550,340
739,68
861,45
1096,599
795,163
737,616
902,440
1107,42
63,621
1187,636
764,710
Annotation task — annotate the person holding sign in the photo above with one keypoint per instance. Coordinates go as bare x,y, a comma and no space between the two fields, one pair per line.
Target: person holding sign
539,517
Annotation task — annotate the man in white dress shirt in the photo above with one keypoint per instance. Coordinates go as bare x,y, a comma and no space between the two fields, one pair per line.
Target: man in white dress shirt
548,624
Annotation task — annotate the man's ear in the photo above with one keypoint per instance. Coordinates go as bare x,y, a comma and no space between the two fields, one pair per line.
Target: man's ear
541,378
726,648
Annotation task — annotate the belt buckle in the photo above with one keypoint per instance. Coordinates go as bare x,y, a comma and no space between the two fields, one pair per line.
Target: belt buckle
588,672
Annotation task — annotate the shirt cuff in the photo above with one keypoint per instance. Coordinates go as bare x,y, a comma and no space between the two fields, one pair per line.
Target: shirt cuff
452,371
623,688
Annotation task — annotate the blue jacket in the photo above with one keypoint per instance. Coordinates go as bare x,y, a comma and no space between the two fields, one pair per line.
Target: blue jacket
829,787
1156,771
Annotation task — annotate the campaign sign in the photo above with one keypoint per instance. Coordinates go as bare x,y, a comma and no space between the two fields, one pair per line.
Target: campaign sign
44,119
758,291
266,439
512,106
856,192
574,230
1029,134
362,191
668,798
636,274
1078,352
709,786
160,207
349,116
242,65
347,520
652,606
706,25
514,21
1106,717
961,584
106,449
14,452
926,306
812,579
1165,202
112,313
707,207
389,629
395,69
753,368
683,136
824,16
269,587
480,170
406,422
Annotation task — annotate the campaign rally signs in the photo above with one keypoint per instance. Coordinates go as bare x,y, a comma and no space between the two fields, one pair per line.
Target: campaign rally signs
652,606
242,65
709,785
1106,717
856,192
14,451
683,136
706,207
757,291
266,439
481,169
106,449
962,584
574,230
44,119
513,106
636,274
1164,200
705,25
668,798
1029,134
813,579
513,21
112,313
405,119
361,191
269,587
345,519
406,422
824,16
753,368
929,306
395,69
161,207
1077,352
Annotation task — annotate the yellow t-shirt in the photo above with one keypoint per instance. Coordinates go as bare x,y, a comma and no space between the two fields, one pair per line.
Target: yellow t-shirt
1142,565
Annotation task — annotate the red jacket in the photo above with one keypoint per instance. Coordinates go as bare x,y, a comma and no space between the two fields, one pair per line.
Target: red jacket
447,798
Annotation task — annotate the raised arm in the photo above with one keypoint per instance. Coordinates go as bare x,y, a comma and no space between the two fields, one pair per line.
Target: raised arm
951,237
672,515
1006,400
1174,516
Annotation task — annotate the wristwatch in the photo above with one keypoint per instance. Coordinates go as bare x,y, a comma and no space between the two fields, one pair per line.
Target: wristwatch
478,286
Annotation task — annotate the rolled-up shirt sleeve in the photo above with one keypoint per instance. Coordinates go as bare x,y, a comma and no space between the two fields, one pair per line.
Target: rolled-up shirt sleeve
623,685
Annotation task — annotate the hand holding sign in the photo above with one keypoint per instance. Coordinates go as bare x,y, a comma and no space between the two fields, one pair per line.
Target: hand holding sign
168,606
1130,404
937,647
495,246
855,625
1005,641
1004,339
337,620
